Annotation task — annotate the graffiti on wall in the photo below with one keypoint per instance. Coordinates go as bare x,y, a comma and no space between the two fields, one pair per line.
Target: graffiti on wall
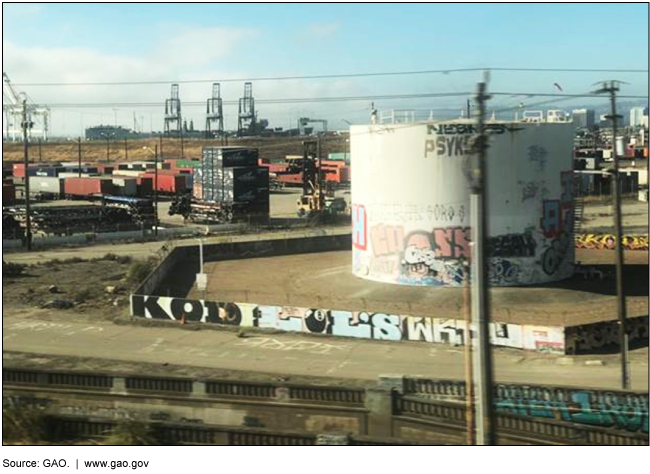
608,242
590,337
512,245
359,324
626,411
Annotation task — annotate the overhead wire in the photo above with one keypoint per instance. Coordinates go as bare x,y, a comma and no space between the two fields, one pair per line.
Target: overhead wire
331,76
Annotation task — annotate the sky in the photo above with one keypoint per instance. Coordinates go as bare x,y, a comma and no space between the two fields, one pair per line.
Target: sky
79,42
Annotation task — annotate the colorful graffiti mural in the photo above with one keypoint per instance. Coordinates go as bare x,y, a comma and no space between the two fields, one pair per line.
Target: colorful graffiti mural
360,324
620,410
608,242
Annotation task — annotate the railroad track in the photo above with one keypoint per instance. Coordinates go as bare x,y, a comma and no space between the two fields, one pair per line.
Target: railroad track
443,420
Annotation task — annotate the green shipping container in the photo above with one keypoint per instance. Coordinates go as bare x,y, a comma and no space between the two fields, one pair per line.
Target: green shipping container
188,164
339,157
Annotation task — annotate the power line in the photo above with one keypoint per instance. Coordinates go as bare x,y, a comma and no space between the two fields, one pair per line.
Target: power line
330,76
300,100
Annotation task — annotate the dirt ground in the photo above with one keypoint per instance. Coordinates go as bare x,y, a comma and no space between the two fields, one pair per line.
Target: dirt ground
83,283
325,279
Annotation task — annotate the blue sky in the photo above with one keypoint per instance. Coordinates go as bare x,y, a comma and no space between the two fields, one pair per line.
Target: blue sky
117,42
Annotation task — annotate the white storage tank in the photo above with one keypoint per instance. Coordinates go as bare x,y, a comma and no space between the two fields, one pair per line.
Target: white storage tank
410,202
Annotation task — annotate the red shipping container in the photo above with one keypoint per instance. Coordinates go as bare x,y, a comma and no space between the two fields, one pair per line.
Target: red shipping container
19,170
88,186
169,182
8,193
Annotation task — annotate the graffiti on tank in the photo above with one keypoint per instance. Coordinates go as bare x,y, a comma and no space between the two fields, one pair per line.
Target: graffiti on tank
387,239
529,190
359,324
448,146
426,256
620,410
503,272
512,245
556,254
551,222
359,227
461,129
410,212
608,242
590,337
566,200
537,154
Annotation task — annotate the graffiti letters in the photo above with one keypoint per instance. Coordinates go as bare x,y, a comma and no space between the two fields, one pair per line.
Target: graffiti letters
627,411
608,242
359,227
358,324
512,245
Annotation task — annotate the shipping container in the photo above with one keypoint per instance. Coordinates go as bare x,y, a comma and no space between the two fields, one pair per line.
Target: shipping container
169,183
46,186
233,184
88,186
228,157
128,172
8,194
145,186
75,174
339,157
125,186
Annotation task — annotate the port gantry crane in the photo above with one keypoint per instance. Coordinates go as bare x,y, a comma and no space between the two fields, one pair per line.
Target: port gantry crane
12,109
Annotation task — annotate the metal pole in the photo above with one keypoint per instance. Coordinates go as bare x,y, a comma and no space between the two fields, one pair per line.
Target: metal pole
108,148
201,256
126,150
155,190
469,109
612,89
161,146
480,297
28,211
79,155
469,372
40,152
182,144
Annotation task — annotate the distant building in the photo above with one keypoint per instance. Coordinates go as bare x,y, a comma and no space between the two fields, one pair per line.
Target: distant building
103,132
636,116
584,118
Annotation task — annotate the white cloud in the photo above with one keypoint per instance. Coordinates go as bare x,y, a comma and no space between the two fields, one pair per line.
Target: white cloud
323,29
22,9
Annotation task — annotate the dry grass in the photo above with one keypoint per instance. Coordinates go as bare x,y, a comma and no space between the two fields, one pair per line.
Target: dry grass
272,148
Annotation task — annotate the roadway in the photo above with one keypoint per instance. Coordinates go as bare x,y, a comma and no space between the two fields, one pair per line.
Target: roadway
64,334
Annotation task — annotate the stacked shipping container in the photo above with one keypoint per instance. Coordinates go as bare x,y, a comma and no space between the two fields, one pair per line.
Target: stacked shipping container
232,175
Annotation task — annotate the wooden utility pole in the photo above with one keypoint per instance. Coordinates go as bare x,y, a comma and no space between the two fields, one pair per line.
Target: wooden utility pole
611,88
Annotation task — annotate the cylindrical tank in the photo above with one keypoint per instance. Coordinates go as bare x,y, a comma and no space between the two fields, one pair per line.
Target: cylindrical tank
410,202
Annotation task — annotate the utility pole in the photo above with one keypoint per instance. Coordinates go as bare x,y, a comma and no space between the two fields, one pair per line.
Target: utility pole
28,212
79,154
611,88
161,147
155,189
126,150
469,370
479,293
40,151
469,109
